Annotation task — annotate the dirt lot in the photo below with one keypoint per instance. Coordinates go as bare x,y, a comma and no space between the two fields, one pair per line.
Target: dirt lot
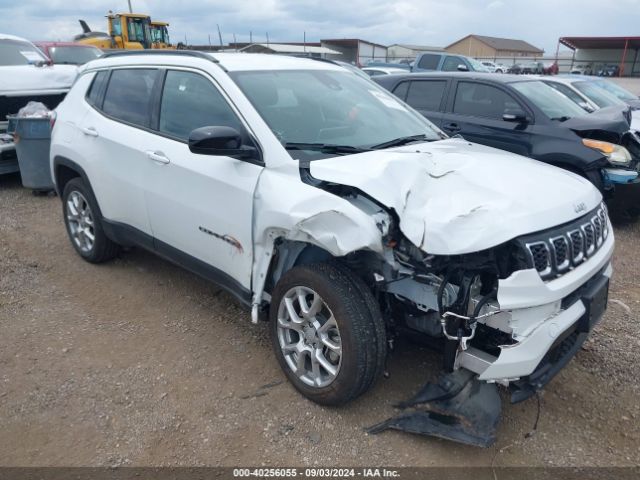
138,362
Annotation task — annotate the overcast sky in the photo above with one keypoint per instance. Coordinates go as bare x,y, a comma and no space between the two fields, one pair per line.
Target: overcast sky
424,22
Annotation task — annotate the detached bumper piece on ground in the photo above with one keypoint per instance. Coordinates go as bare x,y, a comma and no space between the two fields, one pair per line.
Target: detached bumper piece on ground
459,407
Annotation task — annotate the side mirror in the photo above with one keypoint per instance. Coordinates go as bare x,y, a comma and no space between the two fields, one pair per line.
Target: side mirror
463,68
222,141
514,115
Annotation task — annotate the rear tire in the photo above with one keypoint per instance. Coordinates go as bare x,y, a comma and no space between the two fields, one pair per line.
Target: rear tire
332,348
84,223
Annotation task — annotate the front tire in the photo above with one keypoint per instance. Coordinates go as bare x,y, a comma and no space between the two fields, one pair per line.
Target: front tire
327,333
84,223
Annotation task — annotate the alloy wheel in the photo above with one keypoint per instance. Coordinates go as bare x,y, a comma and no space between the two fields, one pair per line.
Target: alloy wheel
309,337
80,221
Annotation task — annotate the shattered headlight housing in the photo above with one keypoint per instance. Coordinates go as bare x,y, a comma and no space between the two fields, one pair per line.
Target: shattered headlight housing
616,154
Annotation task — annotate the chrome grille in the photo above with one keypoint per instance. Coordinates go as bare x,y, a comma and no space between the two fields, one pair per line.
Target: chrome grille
564,248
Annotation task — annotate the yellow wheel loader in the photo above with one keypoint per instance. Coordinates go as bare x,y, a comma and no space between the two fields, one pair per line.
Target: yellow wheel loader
130,31
160,36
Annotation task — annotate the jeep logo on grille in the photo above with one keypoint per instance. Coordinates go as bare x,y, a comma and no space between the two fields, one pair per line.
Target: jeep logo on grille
579,207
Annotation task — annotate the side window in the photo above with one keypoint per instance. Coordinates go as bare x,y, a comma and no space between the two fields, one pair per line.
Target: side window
481,100
116,27
94,95
401,90
128,96
426,94
191,101
451,64
429,61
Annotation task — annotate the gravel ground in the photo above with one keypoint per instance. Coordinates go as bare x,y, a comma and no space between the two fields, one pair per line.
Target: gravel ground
138,362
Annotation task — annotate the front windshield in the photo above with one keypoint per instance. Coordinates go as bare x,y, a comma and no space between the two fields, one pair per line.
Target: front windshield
330,108
159,34
552,103
477,66
73,55
598,95
15,52
617,90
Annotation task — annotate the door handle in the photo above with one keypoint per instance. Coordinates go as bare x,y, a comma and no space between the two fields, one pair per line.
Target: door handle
452,127
158,157
92,132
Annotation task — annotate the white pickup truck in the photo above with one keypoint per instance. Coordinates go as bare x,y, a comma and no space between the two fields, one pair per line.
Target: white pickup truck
25,75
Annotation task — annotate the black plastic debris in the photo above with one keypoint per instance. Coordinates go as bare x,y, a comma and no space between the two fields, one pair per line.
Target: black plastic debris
459,408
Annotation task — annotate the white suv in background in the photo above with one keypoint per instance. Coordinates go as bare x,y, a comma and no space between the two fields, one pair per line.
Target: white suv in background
317,197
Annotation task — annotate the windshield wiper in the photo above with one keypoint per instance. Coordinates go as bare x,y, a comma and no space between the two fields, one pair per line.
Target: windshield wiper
397,142
324,147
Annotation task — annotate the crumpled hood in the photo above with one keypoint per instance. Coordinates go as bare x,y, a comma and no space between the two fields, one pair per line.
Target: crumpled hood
454,197
19,79
610,119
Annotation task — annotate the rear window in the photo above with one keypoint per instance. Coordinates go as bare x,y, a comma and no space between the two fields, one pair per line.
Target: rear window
429,61
73,55
15,52
426,94
128,96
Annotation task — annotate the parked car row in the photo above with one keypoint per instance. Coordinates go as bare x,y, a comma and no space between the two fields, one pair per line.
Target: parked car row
538,117
345,217
534,68
447,62
601,70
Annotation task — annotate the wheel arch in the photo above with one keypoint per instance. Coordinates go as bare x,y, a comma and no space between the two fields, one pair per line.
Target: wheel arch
64,170
291,253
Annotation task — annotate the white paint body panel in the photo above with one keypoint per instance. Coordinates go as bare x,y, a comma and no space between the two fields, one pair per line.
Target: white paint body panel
31,80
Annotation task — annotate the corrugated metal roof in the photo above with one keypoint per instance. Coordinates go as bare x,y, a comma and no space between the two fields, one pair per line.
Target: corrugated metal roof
604,43
509,44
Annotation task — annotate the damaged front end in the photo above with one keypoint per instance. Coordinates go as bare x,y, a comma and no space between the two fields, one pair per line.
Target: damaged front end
447,248
512,315
449,299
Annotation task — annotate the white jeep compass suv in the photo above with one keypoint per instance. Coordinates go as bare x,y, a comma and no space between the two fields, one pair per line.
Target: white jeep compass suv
323,202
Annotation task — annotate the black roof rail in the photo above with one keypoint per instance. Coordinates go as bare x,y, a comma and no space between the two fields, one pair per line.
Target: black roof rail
325,60
185,53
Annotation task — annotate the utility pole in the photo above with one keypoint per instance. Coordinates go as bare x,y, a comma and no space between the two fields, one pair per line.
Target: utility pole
219,34
235,43
250,36
209,39
304,41
267,39
130,9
